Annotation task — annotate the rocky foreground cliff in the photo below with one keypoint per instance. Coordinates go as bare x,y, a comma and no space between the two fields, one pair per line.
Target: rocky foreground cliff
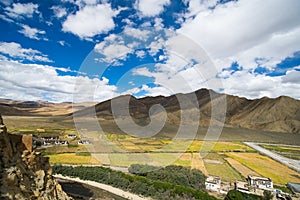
25,174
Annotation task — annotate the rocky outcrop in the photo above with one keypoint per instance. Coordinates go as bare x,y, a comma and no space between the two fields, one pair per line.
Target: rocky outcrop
25,174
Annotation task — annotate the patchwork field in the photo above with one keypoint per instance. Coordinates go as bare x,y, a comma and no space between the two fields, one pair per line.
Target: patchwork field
265,166
243,170
229,160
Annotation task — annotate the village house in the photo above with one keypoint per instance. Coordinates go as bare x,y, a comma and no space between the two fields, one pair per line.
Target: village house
213,183
71,136
260,182
242,187
61,142
49,138
84,142
254,185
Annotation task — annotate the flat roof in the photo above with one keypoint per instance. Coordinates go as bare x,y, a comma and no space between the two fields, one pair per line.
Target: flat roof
258,177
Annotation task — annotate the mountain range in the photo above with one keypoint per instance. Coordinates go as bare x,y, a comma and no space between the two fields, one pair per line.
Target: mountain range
280,114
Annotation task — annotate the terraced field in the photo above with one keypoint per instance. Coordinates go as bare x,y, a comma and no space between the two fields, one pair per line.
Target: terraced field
265,166
229,160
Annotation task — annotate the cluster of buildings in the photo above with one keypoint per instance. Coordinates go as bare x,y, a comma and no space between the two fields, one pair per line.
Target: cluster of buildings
253,185
51,140
55,140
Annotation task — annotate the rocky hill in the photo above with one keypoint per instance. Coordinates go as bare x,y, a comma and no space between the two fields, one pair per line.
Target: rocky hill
280,114
25,174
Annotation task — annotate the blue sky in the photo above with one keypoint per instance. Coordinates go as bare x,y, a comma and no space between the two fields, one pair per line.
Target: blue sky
93,50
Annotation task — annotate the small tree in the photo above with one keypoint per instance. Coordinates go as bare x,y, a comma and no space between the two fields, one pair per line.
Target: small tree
268,195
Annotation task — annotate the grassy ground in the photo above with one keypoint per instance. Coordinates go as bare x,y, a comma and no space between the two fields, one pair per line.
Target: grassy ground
265,166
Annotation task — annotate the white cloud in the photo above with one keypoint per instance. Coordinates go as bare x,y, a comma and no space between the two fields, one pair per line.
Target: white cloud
15,50
42,82
140,54
59,12
7,2
18,10
137,33
156,91
113,48
63,43
238,26
150,8
243,31
256,86
32,33
292,76
196,6
90,21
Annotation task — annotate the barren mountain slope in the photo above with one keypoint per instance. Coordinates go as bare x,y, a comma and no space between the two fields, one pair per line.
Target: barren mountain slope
281,114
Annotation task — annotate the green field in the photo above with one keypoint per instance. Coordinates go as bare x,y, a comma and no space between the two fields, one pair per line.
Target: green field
216,165
292,152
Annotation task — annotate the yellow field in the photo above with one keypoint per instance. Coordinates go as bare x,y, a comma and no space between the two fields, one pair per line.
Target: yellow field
265,166
197,163
66,149
245,171
163,145
72,159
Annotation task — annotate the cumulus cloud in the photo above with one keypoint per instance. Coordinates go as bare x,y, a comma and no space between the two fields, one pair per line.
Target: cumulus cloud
15,50
234,27
117,47
90,21
256,86
151,8
36,82
137,33
113,48
245,31
21,10
292,76
59,12
32,33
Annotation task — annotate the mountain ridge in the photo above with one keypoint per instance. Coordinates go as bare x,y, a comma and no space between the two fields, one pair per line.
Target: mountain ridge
281,114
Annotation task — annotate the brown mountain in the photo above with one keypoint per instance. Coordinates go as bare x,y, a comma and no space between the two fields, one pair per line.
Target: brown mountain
38,108
280,114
